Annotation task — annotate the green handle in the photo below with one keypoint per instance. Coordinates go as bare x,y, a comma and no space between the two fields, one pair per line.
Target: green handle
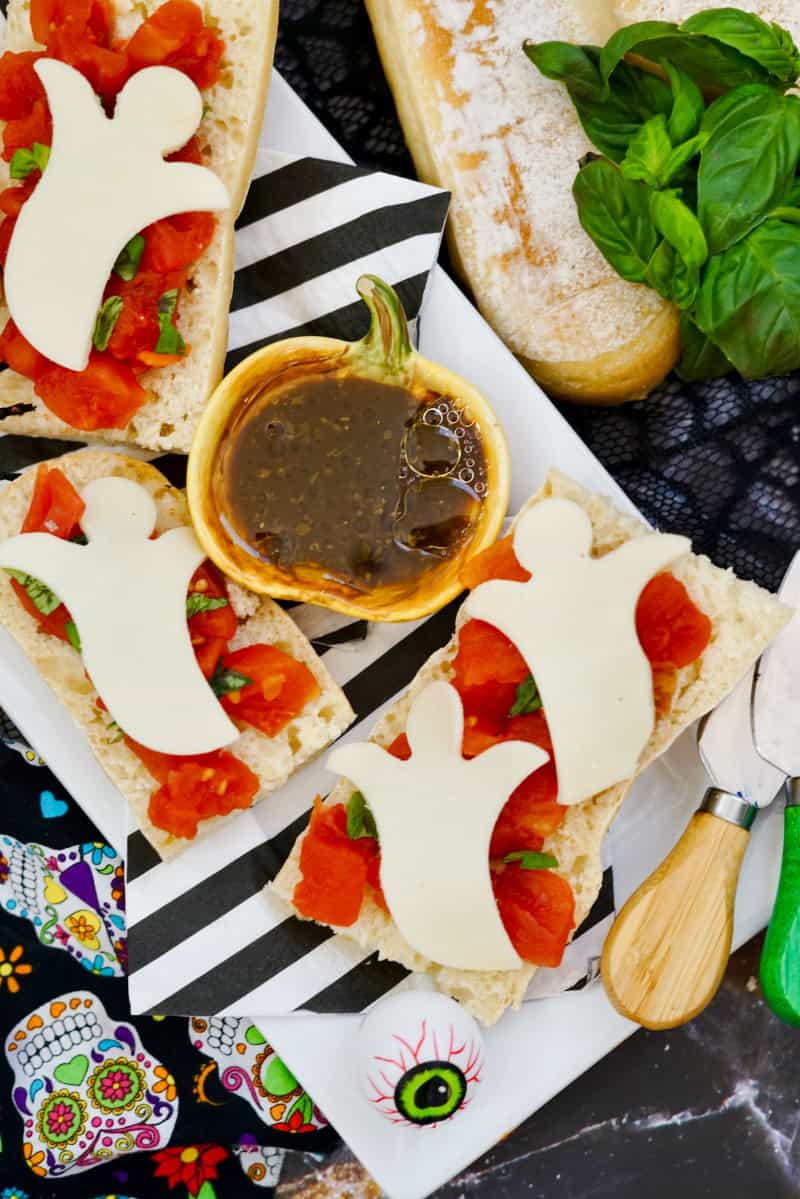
780,961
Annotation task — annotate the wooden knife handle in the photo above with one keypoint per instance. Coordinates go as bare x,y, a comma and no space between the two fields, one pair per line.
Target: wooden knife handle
668,948
780,960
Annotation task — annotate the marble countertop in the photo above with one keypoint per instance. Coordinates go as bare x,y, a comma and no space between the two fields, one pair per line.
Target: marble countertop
706,1110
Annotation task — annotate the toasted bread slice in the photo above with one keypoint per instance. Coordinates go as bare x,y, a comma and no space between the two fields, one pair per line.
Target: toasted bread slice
744,619
273,759
228,138
481,121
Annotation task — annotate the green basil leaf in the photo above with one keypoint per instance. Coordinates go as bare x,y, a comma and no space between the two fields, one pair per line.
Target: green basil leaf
127,264
648,152
769,45
107,318
169,339
710,63
360,821
682,155
223,681
676,222
749,303
671,277
792,197
24,162
700,358
688,105
615,212
71,629
530,859
610,122
197,602
527,699
748,163
44,600
792,215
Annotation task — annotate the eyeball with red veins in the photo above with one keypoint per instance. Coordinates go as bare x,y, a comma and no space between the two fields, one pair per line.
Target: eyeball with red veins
421,1057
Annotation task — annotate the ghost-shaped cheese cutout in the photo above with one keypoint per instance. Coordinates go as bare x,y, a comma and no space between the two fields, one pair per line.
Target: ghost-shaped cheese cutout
574,623
105,181
420,1058
435,814
127,596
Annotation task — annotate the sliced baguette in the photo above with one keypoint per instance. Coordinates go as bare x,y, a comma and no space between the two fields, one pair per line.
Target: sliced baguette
229,139
273,759
481,121
744,619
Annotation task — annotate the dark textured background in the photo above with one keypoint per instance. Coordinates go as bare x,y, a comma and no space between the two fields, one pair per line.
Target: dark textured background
712,1109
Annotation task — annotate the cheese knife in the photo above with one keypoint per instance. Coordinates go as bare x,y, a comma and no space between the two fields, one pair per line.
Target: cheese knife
776,724
668,948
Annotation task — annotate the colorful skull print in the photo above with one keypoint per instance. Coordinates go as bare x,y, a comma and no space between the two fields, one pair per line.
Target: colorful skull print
86,1088
261,1164
74,898
421,1056
13,738
248,1066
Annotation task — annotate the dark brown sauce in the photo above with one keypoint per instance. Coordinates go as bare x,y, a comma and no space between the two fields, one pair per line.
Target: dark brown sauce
361,481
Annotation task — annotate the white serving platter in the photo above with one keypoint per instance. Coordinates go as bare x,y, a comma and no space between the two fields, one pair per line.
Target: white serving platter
534,1053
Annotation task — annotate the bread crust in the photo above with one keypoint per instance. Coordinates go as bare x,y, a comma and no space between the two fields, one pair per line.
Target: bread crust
482,122
744,619
273,759
229,136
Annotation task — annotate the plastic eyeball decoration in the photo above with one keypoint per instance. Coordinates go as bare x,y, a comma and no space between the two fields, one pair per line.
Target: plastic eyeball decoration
421,1056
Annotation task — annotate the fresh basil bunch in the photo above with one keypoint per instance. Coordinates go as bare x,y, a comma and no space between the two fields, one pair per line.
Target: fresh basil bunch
696,188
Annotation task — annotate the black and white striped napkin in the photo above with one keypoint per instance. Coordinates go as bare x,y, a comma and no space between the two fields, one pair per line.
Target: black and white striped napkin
203,936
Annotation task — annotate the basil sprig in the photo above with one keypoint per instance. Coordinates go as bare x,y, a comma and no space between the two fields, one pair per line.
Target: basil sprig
225,680
107,318
360,821
169,340
527,699
697,192
44,600
197,602
530,859
127,264
24,161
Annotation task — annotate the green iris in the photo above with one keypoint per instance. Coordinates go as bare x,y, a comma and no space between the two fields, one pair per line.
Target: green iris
430,1091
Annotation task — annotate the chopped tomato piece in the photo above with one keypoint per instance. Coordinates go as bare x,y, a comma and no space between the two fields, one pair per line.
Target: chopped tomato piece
479,735
137,326
208,580
19,354
107,70
92,16
532,728
6,230
55,505
486,655
400,748
149,358
191,152
20,86
21,133
208,651
665,680
217,623
198,788
280,690
104,396
670,626
175,36
55,623
156,763
489,702
174,243
374,877
334,868
531,814
12,198
537,908
497,562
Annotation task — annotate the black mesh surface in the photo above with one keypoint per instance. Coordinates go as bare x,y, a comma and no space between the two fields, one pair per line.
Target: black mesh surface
718,461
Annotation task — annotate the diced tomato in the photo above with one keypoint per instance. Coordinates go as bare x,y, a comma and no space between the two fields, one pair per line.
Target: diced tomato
199,788
280,690
531,815
175,36
208,651
107,70
334,868
209,580
497,562
137,326
665,680
12,198
216,623
537,908
55,623
479,735
156,763
104,396
175,242
55,505
670,626
490,702
191,152
486,655
21,133
20,86
19,354
532,728
374,878
400,748
6,231
48,16
147,359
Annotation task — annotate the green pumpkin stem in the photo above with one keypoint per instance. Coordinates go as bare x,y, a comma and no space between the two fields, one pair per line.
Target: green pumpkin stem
387,344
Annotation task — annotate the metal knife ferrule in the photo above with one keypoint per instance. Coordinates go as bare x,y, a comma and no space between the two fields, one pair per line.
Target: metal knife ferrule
730,807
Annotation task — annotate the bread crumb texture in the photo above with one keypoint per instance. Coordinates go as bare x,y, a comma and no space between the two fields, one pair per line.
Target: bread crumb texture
273,759
744,619
228,137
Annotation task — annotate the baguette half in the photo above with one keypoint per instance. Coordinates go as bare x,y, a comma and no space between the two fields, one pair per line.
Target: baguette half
228,137
482,122
744,619
273,759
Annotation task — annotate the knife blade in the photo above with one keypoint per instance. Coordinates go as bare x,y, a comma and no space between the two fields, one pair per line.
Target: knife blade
776,724
668,948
